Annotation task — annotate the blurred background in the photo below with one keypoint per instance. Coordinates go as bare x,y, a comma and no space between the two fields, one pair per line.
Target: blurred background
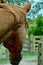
32,48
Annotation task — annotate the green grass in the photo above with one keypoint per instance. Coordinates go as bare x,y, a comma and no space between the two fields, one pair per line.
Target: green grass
3,60
27,54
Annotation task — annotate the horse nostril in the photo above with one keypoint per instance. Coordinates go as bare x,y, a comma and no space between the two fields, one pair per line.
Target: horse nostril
16,62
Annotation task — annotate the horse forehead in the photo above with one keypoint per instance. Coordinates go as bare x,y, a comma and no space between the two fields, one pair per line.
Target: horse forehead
18,8
19,13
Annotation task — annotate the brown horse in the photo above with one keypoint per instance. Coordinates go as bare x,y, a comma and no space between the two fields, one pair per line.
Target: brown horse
13,26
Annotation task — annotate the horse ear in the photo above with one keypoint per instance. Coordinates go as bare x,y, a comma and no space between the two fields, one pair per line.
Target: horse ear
27,7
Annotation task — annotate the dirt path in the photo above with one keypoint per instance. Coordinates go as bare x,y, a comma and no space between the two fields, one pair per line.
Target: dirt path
27,61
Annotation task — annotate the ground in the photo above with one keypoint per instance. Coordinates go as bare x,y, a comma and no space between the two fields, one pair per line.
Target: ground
32,60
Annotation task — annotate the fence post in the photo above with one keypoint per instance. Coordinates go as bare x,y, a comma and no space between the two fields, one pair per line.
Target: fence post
42,51
39,53
31,43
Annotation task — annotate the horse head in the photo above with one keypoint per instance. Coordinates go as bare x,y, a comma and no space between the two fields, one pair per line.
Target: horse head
14,38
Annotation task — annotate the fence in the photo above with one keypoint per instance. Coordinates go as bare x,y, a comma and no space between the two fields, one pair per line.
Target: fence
25,46
31,45
36,43
40,52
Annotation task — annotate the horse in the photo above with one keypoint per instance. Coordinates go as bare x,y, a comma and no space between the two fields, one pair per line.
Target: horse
13,27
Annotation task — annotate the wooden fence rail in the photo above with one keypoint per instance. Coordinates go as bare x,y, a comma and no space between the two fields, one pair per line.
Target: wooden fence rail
37,46
34,41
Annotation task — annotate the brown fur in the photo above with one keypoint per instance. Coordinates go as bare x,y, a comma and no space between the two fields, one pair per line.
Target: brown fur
2,1
13,26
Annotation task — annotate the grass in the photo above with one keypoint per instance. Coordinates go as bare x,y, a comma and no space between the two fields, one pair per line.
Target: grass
27,54
3,61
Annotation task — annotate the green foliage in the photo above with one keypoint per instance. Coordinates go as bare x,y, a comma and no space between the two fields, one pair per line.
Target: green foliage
36,26
39,28
32,26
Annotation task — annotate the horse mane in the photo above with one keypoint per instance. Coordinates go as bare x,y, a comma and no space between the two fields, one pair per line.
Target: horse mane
2,1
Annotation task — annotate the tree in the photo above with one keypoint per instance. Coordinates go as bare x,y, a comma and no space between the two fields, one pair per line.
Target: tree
36,7
36,26
39,28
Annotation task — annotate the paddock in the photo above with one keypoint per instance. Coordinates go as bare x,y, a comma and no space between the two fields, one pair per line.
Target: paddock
26,61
